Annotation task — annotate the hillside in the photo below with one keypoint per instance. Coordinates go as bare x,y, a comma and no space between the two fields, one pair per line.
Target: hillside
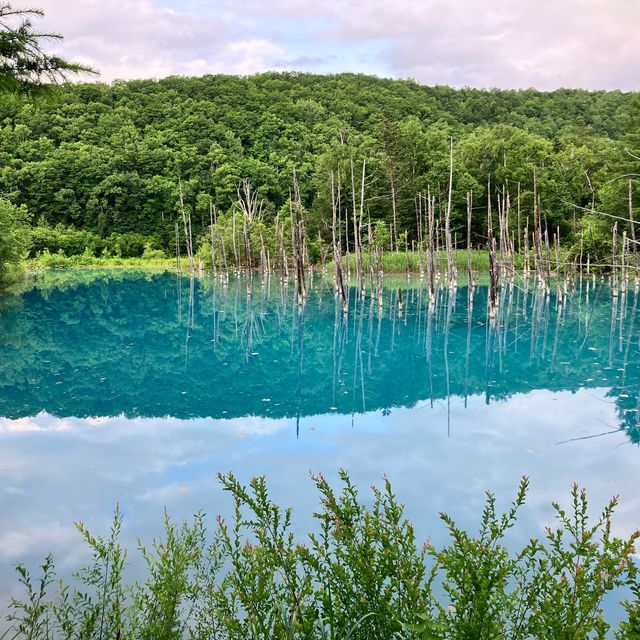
108,158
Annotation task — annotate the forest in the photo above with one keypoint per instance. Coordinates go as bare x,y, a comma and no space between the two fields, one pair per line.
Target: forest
110,169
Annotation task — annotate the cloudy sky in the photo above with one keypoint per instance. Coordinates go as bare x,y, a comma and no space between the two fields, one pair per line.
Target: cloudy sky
546,44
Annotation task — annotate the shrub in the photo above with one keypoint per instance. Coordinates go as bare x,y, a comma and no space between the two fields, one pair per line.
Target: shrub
14,240
70,242
127,245
53,260
67,241
360,576
150,253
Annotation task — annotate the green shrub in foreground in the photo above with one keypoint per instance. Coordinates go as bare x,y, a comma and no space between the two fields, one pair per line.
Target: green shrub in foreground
361,575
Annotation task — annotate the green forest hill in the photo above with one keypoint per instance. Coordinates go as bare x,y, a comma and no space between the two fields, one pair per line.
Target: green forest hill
98,169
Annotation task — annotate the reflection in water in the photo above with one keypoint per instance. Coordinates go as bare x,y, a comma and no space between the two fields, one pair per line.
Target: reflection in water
160,345
137,389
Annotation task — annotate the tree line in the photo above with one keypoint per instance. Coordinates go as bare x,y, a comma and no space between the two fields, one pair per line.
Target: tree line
132,157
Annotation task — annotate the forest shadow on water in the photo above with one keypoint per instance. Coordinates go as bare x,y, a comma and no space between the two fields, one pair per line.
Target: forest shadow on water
137,389
160,345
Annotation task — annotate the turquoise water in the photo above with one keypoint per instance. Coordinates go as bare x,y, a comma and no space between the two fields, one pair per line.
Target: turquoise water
137,389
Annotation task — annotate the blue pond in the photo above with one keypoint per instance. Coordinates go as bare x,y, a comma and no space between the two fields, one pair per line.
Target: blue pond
137,389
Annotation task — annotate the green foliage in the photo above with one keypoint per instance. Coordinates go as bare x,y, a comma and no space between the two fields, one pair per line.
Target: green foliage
594,239
630,628
70,242
150,253
381,236
128,245
14,240
367,563
30,618
24,67
574,573
361,575
401,261
159,603
491,592
107,159
95,609
154,259
25,70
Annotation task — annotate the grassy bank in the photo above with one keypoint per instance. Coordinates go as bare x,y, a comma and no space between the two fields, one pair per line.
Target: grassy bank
392,262
60,261
401,261
361,575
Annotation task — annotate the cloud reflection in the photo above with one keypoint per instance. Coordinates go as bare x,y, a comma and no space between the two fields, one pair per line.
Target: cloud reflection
62,470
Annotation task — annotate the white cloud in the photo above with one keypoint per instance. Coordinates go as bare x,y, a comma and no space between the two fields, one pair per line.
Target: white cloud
137,39
506,43
103,425
16,544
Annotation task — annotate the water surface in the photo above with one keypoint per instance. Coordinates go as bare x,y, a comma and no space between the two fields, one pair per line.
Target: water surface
137,389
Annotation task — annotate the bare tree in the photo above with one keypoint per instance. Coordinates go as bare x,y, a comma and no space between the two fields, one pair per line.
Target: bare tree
250,205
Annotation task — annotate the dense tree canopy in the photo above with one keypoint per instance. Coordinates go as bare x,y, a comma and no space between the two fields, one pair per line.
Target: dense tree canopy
26,71
108,158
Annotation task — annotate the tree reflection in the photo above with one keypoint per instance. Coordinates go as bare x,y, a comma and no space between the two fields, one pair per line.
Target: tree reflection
99,344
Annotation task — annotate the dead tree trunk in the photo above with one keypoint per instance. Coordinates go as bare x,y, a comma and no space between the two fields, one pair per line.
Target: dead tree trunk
431,256
624,279
633,244
212,220
357,227
469,270
559,290
493,275
419,231
371,256
361,264
406,254
614,260
451,266
224,259
527,263
547,274
394,230
233,239
186,221
337,255
510,234
264,266
537,232
631,221
177,248
519,227
250,206
489,212
283,250
379,270
298,244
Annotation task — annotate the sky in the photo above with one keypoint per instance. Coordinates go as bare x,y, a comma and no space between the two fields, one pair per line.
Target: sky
546,44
